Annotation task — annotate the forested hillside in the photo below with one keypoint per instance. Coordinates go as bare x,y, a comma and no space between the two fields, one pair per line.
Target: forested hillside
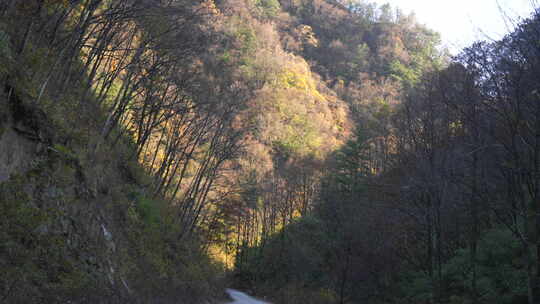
311,151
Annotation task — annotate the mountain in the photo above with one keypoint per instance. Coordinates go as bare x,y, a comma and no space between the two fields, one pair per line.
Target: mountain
308,150
140,137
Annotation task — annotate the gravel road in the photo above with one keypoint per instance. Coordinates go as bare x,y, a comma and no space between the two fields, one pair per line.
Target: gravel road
242,298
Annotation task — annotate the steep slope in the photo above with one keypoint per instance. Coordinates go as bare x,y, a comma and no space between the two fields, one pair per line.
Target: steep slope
82,220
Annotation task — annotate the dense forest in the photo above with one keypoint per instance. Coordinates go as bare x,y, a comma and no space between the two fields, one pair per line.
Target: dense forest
309,151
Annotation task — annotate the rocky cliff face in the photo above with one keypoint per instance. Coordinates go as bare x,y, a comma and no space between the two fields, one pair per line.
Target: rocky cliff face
15,153
58,239
70,229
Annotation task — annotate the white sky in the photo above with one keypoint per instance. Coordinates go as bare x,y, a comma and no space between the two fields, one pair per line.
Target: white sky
461,22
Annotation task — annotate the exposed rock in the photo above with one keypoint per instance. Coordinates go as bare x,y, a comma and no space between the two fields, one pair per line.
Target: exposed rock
16,153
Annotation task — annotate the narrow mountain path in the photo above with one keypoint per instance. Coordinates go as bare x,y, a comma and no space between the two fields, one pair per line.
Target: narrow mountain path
242,298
